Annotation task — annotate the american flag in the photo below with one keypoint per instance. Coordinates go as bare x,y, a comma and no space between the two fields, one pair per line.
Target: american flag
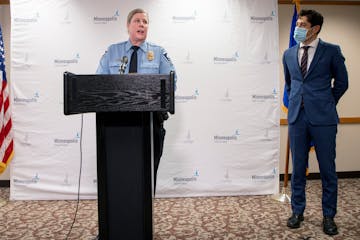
6,137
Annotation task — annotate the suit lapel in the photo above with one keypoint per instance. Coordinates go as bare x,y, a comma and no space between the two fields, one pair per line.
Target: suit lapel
295,58
319,52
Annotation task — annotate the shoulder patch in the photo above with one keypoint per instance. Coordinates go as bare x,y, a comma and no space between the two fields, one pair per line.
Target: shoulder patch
166,56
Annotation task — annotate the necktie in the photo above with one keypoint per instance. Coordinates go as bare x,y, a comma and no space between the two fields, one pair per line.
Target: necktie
133,60
304,59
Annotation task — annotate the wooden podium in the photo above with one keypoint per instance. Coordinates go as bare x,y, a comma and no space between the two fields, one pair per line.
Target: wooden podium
124,106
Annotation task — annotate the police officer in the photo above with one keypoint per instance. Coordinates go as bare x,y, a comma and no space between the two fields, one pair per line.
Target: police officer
149,59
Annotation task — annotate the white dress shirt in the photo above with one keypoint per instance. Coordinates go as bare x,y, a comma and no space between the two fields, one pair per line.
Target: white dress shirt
311,51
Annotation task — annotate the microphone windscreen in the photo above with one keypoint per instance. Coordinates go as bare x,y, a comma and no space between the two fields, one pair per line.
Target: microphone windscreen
125,59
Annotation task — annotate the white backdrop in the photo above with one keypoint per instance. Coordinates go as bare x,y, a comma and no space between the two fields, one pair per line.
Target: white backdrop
224,137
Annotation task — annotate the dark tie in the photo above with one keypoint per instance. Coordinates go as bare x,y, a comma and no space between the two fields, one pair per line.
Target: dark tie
133,60
304,60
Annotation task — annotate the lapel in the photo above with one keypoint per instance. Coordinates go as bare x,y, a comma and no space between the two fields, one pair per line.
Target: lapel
319,52
295,58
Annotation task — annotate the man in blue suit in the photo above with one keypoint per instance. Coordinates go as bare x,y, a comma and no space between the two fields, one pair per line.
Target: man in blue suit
316,78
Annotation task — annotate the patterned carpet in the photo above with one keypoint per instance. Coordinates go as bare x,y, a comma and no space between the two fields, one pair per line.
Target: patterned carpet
242,217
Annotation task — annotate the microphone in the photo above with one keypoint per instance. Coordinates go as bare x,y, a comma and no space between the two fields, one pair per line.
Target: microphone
124,62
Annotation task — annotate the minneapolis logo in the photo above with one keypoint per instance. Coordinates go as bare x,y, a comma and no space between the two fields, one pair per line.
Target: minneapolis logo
186,180
225,60
107,19
188,138
258,19
66,19
187,98
67,62
226,17
66,142
21,61
183,19
227,178
227,138
33,180
66,181
226,97
265,59
265,97
270,134
27,20
23,101
188,59
25,140
263,178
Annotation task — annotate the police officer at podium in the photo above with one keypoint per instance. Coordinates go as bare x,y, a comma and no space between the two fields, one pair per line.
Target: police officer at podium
136,55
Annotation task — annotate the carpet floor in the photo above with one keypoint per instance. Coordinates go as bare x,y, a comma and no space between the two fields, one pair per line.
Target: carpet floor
238,217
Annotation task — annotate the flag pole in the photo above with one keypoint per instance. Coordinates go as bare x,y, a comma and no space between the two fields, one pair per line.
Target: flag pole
283,196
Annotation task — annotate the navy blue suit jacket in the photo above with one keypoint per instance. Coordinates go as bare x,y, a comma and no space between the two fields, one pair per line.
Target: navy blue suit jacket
316,89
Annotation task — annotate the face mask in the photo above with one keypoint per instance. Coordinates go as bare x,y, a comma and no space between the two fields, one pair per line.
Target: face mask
300,34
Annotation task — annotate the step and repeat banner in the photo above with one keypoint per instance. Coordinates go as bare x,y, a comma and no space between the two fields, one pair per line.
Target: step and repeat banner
222,140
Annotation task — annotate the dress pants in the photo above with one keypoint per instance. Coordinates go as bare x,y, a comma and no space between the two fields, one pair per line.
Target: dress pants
159,136
301,132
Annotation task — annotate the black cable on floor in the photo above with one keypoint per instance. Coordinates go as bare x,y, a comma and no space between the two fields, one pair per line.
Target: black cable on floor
78,193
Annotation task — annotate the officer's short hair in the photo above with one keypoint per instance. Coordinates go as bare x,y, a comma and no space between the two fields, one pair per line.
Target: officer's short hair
135,11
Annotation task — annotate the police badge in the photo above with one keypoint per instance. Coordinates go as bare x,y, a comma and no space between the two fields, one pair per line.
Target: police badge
150,55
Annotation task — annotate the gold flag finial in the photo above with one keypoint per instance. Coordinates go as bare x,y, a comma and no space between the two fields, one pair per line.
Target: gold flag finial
297,4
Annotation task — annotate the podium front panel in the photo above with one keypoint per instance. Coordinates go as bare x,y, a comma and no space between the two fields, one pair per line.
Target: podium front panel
124,175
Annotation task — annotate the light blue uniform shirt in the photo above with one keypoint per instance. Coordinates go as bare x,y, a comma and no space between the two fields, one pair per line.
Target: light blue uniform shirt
152,59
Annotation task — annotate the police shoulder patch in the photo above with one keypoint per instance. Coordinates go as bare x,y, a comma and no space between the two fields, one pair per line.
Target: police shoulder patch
166,56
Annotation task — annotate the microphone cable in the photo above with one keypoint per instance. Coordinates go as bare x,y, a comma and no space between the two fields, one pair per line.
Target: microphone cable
79,181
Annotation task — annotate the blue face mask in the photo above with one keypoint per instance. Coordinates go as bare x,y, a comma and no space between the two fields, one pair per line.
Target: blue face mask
300,34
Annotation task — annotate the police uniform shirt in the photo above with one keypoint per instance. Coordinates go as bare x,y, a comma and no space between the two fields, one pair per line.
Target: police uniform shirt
152,59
